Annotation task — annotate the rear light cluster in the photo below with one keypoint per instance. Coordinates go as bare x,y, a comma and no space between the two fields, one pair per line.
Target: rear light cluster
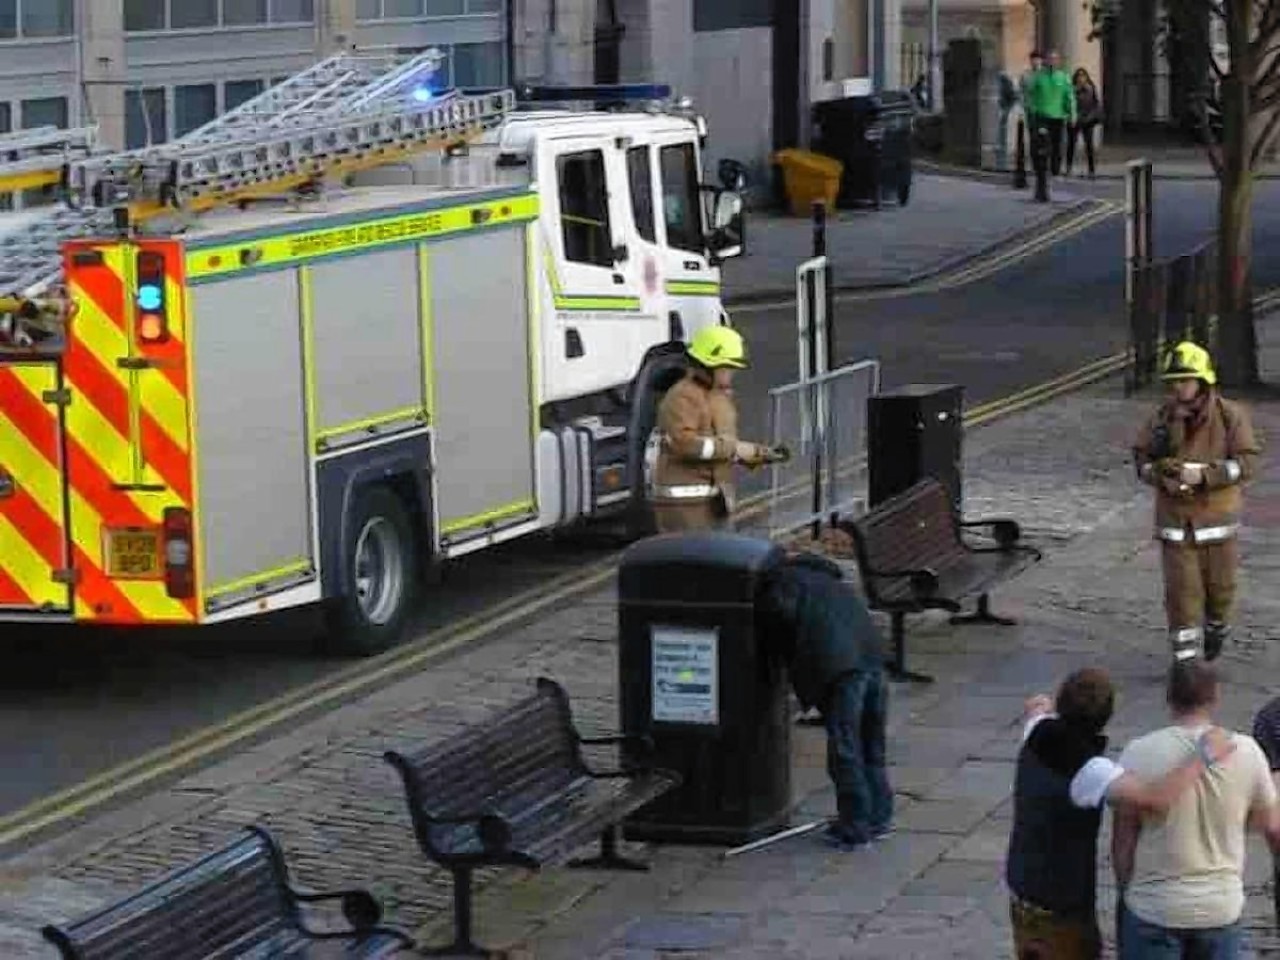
152,313
179,568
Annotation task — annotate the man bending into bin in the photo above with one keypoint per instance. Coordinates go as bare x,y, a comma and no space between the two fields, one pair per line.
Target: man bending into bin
1061,784
821,628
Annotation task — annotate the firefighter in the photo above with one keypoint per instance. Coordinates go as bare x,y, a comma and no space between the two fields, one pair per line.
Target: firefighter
698,423
1197,451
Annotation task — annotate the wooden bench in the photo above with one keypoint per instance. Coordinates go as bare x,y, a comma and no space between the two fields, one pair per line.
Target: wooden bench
912,557
515,792
235,903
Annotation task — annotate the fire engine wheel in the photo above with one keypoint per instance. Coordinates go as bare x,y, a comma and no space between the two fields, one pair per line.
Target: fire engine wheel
381,575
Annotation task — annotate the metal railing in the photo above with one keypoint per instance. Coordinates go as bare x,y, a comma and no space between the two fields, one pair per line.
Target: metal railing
823,421
1173,300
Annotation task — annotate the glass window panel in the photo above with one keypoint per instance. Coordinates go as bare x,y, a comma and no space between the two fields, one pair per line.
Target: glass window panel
240,91
368,9
442,8
8,19
402,8
138,122
46,18
640,180
484,6
144,14
6,118
584,208
44,112
241,12
193,106
292,11
681,198
193,13
477,65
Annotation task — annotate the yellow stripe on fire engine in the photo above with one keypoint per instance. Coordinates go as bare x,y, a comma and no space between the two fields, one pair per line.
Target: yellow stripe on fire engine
29,570
39,477
151,600
287,248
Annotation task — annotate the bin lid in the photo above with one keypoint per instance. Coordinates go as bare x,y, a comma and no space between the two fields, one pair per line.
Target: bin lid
703,567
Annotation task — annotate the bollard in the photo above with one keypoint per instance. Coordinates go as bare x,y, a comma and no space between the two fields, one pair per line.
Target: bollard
1040,162
1020,157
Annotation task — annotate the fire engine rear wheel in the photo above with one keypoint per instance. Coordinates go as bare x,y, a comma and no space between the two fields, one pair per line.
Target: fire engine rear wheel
381,575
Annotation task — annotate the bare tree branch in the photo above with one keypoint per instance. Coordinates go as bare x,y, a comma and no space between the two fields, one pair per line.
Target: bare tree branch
1265,139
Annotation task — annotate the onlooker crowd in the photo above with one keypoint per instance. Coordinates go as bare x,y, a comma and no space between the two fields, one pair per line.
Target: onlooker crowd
1064,110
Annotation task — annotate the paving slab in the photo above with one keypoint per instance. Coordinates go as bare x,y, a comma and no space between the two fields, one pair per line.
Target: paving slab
949,221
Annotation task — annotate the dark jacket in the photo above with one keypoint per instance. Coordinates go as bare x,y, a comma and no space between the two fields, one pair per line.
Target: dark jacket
819,625
1053,848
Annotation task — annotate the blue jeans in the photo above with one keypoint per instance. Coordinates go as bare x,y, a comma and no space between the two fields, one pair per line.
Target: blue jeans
1146,941
855,717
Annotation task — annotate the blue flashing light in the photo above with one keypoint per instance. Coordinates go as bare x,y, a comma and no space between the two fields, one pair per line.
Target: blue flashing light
150,296
423,94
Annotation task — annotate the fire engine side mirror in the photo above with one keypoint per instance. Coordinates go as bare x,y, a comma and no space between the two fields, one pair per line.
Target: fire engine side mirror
726,240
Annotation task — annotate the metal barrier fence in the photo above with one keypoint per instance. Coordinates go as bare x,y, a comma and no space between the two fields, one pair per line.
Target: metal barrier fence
1173,300
823,421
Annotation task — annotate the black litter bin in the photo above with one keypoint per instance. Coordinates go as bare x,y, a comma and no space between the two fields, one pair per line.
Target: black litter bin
871,136
697,677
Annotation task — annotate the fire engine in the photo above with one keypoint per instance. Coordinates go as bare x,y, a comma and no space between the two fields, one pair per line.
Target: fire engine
355,325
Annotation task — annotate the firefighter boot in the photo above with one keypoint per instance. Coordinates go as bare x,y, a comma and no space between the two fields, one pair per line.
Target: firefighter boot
1215,637
1187,642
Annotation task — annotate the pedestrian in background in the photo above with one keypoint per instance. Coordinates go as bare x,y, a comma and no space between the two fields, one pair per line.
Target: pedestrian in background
1266,730
1197,451
1088,116
1026,90
1181,875
1056,104
819,625
1063,779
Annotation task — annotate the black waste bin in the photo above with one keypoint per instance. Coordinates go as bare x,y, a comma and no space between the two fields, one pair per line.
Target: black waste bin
696,676
871,136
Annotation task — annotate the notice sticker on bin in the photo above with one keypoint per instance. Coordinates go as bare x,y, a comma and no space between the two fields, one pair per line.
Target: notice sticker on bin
686,683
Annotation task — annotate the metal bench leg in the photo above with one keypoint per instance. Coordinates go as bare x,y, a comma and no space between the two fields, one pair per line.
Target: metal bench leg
609,858
983,615
462,945
898,668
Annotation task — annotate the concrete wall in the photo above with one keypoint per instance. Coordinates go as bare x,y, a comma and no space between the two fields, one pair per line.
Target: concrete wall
559,52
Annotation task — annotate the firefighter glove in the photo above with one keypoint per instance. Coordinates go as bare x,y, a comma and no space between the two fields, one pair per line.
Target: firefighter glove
1174,487
751,454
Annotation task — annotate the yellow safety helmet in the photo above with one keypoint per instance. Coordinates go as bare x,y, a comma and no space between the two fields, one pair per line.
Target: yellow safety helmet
1189,361
719,347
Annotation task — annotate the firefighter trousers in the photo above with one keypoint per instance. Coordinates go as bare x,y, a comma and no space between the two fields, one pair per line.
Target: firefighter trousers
684,516
1199,582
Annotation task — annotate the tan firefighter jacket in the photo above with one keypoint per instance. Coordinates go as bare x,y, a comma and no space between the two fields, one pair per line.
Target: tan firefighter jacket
699,428
1225,443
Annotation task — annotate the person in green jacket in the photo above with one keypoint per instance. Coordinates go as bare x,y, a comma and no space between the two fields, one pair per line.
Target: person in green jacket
1052,101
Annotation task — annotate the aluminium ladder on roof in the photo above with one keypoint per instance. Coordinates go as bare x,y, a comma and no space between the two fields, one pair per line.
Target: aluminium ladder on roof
347,112
37,157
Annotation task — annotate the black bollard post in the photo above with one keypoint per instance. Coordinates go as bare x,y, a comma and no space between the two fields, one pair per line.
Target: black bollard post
1020,157
1040,161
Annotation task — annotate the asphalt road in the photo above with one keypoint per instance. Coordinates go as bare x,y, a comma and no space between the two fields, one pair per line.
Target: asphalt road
75,703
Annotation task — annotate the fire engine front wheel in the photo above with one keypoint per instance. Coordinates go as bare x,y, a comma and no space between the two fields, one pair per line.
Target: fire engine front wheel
381,573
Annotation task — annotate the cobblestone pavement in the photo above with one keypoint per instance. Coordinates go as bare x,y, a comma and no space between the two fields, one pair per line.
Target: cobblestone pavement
932,890
950,220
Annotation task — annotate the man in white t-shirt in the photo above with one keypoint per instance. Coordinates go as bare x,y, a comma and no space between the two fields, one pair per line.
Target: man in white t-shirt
1063,780
1181,875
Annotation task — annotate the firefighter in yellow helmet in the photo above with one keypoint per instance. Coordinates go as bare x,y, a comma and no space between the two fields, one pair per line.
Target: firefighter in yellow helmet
1197,451
698,424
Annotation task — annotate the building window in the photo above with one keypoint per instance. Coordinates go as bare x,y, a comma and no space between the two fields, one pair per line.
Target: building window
401,8
144,15
45,112
191,14
368,9
146,120
477,65
584,208
484,6
680,198
193,107
8,19
238,13
640,179
45,18
441,8
292,11
6,125
237,92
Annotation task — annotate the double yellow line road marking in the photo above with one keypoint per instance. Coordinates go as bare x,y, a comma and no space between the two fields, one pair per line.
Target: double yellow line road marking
1094,213
185,754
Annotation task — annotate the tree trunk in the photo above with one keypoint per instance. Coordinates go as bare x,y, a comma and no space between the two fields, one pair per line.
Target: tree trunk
1237,348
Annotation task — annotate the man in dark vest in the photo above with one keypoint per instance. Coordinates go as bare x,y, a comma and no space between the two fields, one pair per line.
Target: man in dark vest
1062,781
819,625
